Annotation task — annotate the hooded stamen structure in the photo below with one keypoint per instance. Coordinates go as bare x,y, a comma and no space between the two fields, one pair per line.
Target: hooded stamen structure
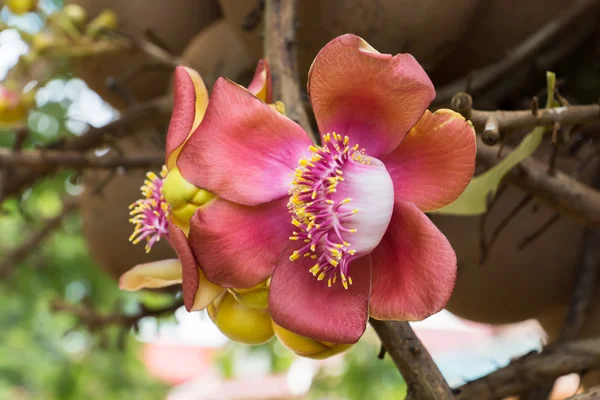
319,214
150,214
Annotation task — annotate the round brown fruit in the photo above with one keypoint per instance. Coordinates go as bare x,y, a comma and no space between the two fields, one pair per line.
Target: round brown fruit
106,214
428,29
173,23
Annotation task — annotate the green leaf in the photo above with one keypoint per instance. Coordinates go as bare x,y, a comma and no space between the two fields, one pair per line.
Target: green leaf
474,200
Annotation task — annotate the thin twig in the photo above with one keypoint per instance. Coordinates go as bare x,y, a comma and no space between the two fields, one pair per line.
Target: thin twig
95,321
492,201
509,217
75,159
523,53
280,50
533,369
424,379
532,237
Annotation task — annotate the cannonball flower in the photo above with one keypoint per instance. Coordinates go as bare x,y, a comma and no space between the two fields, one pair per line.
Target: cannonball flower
166,214
339,227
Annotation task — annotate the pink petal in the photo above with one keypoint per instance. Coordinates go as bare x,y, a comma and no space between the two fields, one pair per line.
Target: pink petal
435,162
261,85
189,267
244,150
414,268
190,102
308,307
151,275
371,97
238,246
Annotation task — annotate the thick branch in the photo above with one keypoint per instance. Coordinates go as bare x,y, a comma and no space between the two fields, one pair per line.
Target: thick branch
523,53
559,191
504,121
280,50
424,380
78,160
531,370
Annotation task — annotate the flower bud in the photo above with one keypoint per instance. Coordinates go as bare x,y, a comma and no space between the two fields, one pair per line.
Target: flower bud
14,105
240,323
20,7
76,14
256,297
107,20
306,347
183,197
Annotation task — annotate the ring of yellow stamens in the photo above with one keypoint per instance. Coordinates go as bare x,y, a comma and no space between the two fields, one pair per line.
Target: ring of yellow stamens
317,214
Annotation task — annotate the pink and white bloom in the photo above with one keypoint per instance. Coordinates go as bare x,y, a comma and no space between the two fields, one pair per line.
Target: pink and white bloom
353,207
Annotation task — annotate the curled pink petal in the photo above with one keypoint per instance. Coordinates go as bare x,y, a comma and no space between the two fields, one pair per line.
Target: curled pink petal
435,162
302,304
414,268
238,246
261,85
244,150
373,98
190,102
190,275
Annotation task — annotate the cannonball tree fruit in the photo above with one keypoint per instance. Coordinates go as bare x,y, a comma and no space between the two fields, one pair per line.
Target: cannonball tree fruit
429,30
173,23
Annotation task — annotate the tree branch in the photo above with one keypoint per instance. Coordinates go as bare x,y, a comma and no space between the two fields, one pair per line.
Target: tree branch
95,321
534,369
500,122
523,53
78,160
280,50
139,116
424,379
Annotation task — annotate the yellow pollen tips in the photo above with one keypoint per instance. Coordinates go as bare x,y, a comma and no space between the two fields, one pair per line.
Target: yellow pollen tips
350,280
345,284
321,276
296,223
295,255
315,269
314,149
